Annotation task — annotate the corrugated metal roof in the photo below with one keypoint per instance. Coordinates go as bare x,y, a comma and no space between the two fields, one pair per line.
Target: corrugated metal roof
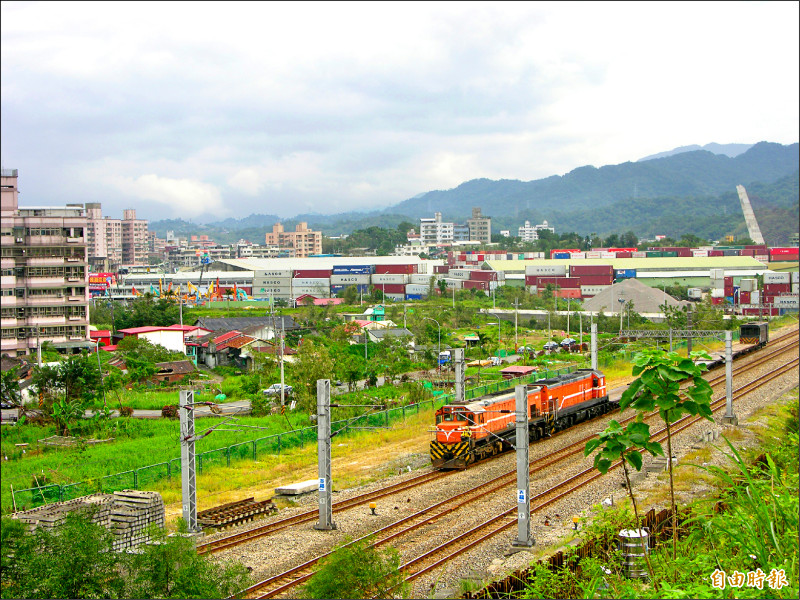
655,263
324,262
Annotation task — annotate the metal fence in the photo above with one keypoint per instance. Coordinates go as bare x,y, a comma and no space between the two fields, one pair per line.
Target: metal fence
143,477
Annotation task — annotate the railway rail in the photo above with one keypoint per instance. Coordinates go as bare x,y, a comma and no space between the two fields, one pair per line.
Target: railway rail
282,583
778,346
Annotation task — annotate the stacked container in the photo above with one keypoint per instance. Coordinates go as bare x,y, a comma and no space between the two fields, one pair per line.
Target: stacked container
272,283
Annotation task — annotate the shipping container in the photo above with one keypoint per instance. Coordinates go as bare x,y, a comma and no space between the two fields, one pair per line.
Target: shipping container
728,280
560,282
777,288
311,282
565,250
384,269
695,293
413,297
350,280
699,253
596,279
670,254
773,277
764,258
639,254
483,276
625,273
717,293
624,254
747,252
395,297
421,279
532,289
592,290
717,273
269,273
317,292
577,255
795,276
568,293
441,269
787,301
684,252
272,282
391,288
716,300
312,273
352,269
744,297
784,254
476,285
554,270
580,270
561,255
361,288
459,274
715,253
747,285
453,284
421,290
392,278
593,254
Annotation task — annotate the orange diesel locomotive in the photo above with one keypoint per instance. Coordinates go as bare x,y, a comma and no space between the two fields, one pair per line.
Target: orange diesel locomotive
469,431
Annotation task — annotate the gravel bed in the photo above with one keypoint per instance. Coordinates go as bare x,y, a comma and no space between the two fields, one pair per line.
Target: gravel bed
492,559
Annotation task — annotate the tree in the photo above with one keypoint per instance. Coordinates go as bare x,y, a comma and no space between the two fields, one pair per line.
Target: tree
616,443
9,386
313,362
658,386
358,570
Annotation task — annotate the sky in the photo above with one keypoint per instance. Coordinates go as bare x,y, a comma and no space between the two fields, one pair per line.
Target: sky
213,110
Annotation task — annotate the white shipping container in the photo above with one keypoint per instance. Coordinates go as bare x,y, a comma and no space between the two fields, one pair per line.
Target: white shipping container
395,297
319,292
413,288
555,270
266,292
578,255
699,253
493,285
462,274
281,273
795,276
717,293
634,255
755,297
695,293
764,258
532,289
354,279
747,285
592,290
772,277
454,284
272,282
389,278
717,284
717,274
796,288
593,254
786,301
311,282
420,279
608,255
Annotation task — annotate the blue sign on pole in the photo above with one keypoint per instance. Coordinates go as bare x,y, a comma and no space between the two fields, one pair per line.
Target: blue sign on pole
521,496
322,484
205,260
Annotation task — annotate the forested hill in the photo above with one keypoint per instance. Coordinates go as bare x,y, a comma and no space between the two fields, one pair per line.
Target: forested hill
687,174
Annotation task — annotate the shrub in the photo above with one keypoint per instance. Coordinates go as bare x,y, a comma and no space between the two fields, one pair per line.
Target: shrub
170,411
127,411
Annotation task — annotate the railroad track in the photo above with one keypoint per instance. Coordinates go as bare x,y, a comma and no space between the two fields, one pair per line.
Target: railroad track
312,515
284,582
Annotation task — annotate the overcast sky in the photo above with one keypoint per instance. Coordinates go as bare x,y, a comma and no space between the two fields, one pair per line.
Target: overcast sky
222,109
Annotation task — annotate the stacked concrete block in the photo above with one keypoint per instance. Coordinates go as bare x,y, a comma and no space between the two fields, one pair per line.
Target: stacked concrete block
128,514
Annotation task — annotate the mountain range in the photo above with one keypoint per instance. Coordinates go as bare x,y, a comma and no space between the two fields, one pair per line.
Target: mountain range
681,191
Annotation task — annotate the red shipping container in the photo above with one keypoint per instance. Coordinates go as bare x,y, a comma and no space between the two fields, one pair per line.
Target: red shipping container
728,281
441,269
568,293
312,273
716,253
777,288
716,300
760,248
744,297
783,251
562,282
395,269
622,250
391,288
596,279
477,285
624,254
684,252
483,276
581,270
531,280
748,252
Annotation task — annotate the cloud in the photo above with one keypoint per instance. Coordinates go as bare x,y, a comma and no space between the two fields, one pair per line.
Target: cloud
184,197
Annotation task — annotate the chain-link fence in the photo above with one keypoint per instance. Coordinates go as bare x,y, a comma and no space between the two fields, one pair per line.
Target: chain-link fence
252,450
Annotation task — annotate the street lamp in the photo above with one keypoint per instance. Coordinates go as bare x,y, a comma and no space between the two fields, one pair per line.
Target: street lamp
621,306
439,330
499,342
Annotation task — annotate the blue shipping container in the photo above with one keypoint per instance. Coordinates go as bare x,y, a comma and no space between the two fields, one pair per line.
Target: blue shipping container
353,270
729,299
561,255
625,273
361,287
413,296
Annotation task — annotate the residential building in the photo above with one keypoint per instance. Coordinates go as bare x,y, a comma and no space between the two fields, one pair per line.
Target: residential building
480,227
302,240
531,234
115,242
44,283
435,231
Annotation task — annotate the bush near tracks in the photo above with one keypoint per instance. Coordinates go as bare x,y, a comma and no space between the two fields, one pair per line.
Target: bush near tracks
750,546
76,561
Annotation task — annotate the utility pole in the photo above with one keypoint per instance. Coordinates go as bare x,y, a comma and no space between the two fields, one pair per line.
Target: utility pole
729,417
580,325
188,482
524,538
516,323
568,299
325,522
460,372
594,346
689,327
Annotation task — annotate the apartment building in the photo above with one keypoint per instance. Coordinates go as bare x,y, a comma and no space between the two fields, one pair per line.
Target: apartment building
531,234
303,241
115,242
480,227
434,231
44,281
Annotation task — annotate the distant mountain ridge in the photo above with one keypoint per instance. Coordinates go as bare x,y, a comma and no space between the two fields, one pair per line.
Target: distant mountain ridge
732,150
581,200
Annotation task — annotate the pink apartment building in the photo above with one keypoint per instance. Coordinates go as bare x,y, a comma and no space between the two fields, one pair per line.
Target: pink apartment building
303,241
